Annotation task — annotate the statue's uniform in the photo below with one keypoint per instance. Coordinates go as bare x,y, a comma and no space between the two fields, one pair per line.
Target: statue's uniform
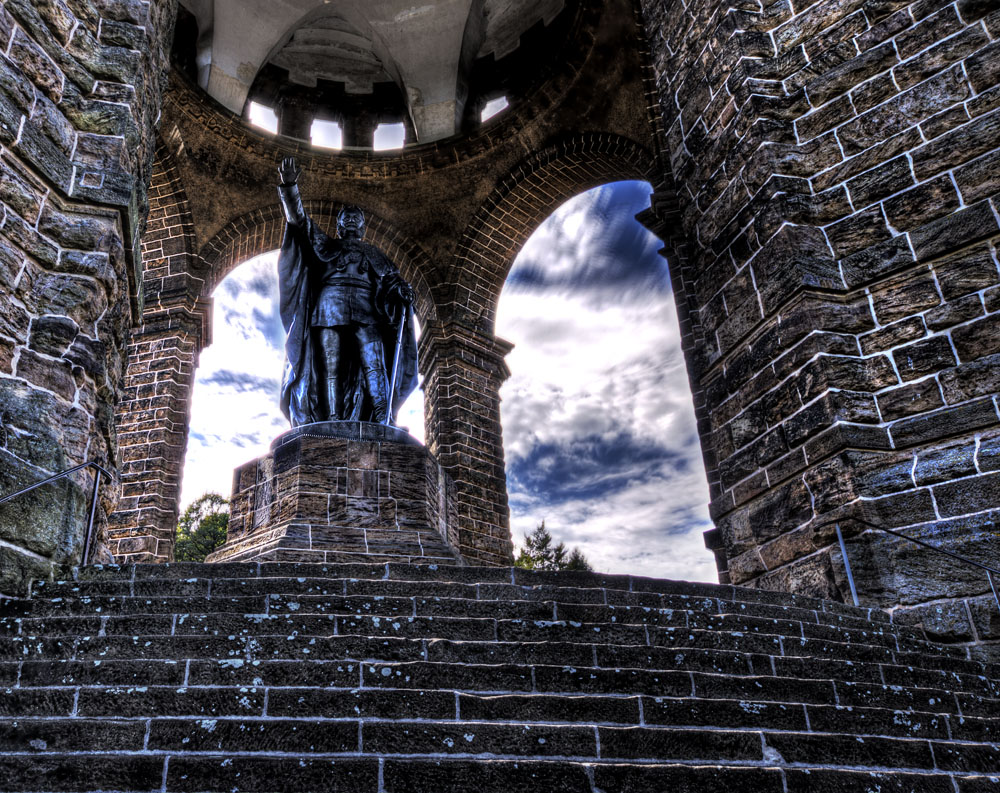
345,275
345,296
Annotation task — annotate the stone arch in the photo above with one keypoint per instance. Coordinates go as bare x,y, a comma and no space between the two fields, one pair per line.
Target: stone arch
462,360
524,198
178,279
261,230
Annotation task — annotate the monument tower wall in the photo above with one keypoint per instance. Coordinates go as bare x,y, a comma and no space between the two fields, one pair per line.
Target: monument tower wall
836,242
80,94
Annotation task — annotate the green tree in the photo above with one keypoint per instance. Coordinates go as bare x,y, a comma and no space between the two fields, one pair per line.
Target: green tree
539,553
577,561
202,528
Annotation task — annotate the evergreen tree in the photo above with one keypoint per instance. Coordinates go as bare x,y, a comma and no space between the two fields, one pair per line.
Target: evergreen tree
202,528
539,553
577,561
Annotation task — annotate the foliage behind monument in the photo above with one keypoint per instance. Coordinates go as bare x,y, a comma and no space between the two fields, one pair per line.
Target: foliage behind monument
539,553
202,528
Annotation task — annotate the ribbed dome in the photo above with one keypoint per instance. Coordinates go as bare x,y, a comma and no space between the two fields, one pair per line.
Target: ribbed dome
426,52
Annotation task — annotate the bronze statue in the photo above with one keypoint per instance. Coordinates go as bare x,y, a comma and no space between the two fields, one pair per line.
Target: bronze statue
347,313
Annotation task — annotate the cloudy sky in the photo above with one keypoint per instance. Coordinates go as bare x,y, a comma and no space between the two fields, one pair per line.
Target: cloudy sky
599,430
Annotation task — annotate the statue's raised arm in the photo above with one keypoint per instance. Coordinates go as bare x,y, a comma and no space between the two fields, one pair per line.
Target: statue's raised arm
347,314
288,191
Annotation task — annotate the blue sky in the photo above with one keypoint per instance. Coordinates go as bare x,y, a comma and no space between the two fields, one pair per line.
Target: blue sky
599,429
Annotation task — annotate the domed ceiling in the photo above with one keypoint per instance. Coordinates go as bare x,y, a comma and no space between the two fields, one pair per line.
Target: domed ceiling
426,48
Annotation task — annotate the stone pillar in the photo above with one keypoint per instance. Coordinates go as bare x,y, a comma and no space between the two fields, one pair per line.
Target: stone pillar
153,413
295,118
358,129
840,239
152,434
663,218
463,371
80,94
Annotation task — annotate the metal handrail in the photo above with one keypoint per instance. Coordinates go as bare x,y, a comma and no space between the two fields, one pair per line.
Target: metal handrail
98,470
847,562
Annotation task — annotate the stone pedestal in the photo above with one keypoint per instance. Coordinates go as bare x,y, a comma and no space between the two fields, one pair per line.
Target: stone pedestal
342,492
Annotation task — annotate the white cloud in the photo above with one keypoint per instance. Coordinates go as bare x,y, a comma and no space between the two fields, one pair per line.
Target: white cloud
234,415
599,427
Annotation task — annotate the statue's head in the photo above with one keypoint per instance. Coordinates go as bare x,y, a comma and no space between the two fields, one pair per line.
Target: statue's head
351,223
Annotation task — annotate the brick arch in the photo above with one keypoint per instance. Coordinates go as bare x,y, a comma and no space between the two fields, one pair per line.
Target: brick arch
260,231
463,362
524,199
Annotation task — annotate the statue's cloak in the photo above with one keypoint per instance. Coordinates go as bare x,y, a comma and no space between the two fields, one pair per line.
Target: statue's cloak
304,249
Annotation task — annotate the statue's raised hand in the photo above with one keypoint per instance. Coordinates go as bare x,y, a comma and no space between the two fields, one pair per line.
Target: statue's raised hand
288,172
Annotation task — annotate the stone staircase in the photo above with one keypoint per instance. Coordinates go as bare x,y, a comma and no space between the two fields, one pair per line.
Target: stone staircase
371,678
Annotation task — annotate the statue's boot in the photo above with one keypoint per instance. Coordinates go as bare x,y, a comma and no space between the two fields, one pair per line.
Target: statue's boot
335,398
373,370
329,344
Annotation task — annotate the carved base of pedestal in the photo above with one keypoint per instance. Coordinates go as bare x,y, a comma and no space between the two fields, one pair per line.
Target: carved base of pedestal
342,492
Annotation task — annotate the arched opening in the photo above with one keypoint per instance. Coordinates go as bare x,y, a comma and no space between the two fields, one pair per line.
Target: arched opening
235,412
599,429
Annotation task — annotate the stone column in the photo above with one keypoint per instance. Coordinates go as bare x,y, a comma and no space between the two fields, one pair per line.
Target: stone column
153,431
152,416
295,117
80,95
463,371
358,129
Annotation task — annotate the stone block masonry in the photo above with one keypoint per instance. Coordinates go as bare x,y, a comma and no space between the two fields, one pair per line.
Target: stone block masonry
80,88
152,414
397,678
837,230
342,492
451,215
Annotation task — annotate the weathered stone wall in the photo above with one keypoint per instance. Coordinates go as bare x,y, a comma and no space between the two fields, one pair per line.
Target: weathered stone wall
349,492
837,165
80,87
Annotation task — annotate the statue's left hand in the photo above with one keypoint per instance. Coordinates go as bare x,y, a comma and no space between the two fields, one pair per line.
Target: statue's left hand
404,292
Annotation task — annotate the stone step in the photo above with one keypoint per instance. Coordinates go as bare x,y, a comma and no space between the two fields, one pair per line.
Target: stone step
367,596
316,636
247,653
385,678
301,617
144,702
14,613
248,735
258,772
438,597
722,632
526,579
419,675
127,615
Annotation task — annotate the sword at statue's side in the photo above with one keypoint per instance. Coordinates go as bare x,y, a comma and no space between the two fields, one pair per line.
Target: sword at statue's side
390,418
